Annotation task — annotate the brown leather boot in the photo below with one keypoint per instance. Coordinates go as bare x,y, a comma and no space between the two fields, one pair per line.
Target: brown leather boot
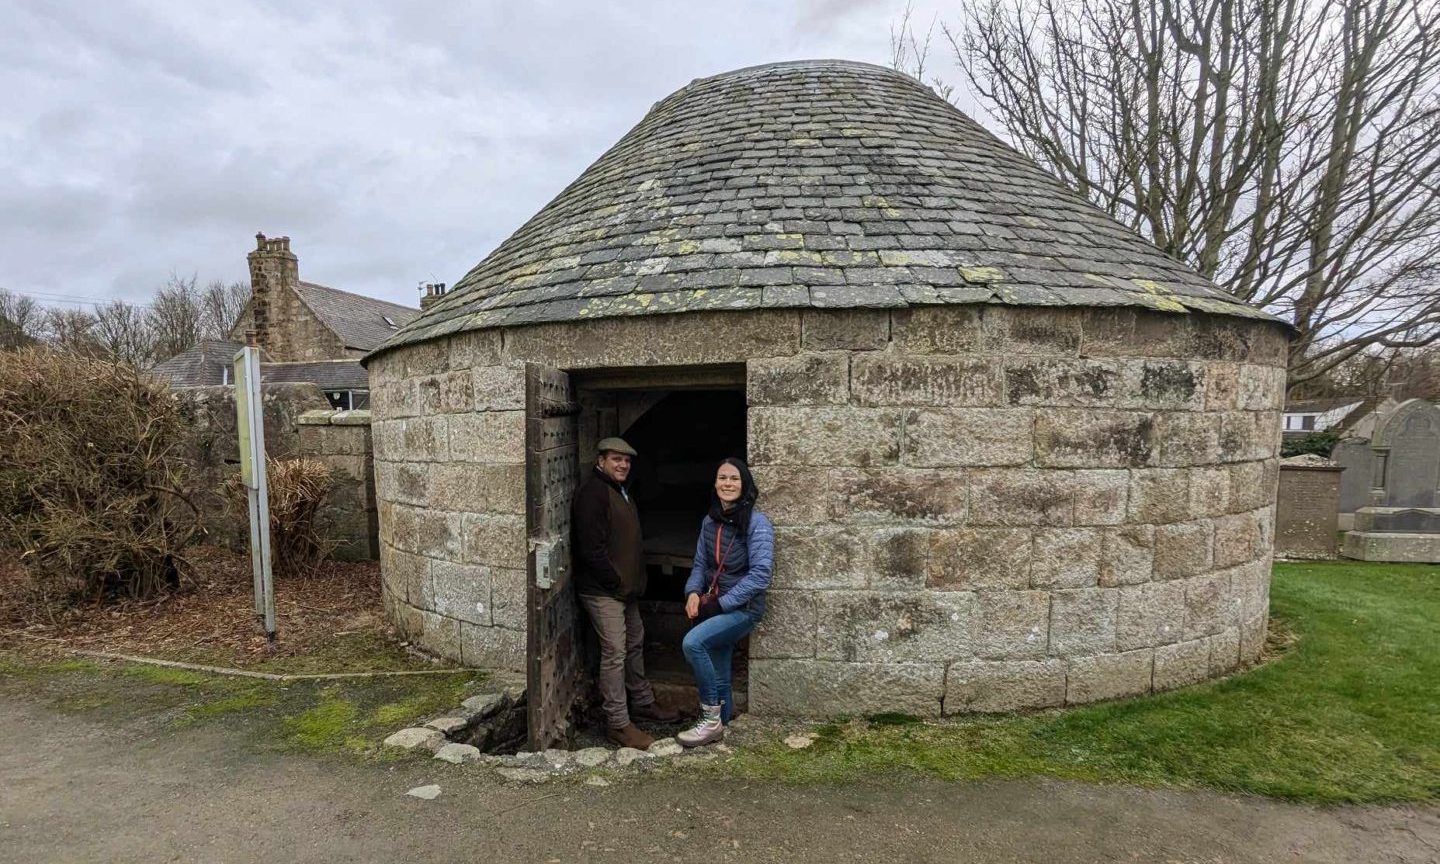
630,735
653,713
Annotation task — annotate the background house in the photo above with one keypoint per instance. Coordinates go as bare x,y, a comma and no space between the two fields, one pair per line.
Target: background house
1337,413
307,332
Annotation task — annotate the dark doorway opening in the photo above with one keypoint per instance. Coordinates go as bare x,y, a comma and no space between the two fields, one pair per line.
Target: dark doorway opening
681,432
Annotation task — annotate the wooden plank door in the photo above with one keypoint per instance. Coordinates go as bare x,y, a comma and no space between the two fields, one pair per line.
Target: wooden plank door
555,667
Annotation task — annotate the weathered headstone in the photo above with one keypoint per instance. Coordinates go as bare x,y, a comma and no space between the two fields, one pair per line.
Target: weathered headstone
1412,469
1402,521
1306,507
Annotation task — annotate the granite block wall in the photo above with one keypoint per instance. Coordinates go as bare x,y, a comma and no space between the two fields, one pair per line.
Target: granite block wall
978,508
342,440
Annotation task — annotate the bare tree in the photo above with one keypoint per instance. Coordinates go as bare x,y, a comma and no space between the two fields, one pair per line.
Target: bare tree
1289,150
70,330
20,320
176,318
124,332
912,54
221,305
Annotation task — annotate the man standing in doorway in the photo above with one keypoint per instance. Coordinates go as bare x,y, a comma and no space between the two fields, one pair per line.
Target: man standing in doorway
610,578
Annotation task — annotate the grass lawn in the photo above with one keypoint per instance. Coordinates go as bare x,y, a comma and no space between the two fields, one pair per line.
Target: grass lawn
1350,714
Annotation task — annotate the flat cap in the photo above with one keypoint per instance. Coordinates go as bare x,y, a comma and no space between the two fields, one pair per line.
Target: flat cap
616,445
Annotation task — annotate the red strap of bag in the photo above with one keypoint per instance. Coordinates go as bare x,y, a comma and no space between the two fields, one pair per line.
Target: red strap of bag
719,559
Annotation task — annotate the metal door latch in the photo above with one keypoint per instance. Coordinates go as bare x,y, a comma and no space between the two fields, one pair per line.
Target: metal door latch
550,564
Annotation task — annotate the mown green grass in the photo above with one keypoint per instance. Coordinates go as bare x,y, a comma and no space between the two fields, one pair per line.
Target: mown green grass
1351,713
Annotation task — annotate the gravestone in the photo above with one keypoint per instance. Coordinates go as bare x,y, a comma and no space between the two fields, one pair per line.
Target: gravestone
1358,461
1306,508
1402,520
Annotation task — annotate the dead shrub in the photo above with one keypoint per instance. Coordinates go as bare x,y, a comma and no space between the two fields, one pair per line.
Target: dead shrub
92,481
298,488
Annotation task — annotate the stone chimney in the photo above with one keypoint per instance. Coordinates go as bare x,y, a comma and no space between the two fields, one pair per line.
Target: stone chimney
274,270
430,293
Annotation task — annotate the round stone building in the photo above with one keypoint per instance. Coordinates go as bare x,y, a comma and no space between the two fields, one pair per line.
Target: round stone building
1015,455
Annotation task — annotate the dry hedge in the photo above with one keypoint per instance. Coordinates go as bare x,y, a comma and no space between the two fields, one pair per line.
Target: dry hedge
92,478
298,488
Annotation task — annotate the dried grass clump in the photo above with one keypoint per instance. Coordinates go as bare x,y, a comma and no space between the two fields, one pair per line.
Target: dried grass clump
298,488
92,479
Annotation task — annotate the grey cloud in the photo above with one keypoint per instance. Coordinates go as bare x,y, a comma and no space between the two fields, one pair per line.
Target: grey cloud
393,142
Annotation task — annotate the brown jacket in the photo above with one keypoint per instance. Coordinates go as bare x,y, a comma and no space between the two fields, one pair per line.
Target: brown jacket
608,549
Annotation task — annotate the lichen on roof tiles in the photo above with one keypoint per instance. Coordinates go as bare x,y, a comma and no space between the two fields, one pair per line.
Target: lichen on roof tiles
811,184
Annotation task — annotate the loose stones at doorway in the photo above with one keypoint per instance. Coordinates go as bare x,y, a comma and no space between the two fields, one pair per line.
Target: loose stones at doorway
665,747
458,753
627,755
410,739
450,724
592,757
482,706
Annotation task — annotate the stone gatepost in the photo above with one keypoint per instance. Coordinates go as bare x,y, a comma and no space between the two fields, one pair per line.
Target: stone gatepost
341,439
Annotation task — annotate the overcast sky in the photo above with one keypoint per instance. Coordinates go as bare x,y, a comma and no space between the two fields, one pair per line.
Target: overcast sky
393,142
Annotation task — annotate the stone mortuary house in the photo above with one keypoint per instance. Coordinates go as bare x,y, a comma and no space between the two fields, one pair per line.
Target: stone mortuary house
1016,456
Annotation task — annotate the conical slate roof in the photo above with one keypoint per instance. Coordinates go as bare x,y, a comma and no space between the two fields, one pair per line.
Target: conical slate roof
811,184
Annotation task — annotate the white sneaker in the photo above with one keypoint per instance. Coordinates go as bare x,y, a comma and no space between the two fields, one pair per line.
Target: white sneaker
707,730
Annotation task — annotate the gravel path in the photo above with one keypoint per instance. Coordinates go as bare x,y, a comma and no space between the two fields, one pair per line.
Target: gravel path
78,790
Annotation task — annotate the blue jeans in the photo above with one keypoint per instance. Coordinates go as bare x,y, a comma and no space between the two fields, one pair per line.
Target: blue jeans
709,647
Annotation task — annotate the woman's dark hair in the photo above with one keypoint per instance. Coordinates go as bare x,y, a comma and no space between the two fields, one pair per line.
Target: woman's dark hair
739,515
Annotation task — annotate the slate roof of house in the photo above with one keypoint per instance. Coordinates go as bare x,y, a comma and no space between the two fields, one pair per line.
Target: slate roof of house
1360,408
200,365
820,183
359,321
1320,406
329,374
204,364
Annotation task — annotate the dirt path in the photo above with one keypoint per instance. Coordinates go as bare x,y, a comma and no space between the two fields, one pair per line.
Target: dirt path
75,790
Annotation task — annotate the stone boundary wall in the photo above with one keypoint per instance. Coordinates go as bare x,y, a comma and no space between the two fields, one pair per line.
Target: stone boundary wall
298,421
213,449
977,508
341,439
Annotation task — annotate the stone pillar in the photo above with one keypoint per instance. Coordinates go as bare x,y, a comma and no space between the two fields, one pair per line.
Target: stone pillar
341,439
1307,510
274,269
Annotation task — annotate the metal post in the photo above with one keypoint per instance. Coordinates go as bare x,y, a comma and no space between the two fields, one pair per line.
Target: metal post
254,499
251,424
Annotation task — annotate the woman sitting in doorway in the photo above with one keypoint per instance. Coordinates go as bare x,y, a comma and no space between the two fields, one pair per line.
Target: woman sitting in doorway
725,595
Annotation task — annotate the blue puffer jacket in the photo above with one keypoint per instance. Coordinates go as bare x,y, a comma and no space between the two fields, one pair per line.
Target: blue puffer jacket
748,563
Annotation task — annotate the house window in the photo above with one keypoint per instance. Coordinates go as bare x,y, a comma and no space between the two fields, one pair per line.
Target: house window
1300,422
348,400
